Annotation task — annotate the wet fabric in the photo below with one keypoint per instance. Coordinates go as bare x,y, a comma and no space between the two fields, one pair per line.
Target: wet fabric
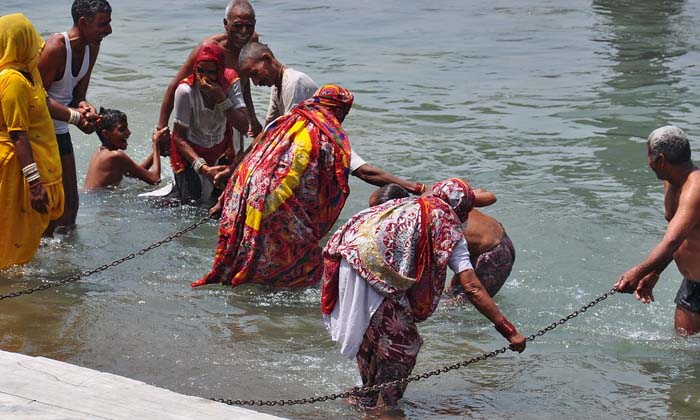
285,196
65,144
400,247
388,352
357,302
688,295
23,108
227,78
494,266
491,267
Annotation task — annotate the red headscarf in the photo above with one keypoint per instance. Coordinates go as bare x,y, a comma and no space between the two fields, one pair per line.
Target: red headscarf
213,52
226,77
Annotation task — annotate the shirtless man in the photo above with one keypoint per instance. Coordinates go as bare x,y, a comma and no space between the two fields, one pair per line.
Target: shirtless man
491,251
109,164
66,65
668,154
239,24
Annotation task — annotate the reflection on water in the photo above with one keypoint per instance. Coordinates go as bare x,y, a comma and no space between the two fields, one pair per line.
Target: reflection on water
545,103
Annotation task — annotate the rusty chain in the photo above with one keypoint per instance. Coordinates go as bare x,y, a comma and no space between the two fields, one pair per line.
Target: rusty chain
104,267
356,391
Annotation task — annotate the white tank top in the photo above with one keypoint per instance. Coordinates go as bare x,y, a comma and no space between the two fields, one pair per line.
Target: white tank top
62,90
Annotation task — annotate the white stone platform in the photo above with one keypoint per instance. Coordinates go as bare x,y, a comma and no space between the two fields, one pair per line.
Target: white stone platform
38,388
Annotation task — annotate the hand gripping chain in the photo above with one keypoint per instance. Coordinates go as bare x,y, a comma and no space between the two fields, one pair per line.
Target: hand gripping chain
364,390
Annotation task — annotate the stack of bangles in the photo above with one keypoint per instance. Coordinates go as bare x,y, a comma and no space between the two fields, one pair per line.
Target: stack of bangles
198,163
506,329
31,174
420,188
74,117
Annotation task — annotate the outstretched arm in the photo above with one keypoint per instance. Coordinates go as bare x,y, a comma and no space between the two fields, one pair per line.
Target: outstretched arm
483,197
481,300
682,223
166,106
255,127
134,170
375,176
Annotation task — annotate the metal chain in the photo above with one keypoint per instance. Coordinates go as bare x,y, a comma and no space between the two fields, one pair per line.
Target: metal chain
365,390
104,267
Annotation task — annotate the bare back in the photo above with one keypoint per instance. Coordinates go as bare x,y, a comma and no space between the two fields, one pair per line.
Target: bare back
104,169
482,232
684,203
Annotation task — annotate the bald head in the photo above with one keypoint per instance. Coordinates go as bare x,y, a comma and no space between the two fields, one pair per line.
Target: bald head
239,6
672,142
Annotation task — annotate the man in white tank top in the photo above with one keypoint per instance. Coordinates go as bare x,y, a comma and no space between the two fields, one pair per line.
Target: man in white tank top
66,64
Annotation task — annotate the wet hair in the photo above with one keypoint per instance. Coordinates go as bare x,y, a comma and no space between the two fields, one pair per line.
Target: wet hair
109,119
242,5
253,51
672,142
390,192
88,8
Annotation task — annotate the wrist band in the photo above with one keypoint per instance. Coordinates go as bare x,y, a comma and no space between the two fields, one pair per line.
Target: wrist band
33,177
30,169
74,117
225,104
506,329
198,163
420,188
31,173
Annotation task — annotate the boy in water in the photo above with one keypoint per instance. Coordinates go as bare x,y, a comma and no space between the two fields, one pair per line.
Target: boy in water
110,163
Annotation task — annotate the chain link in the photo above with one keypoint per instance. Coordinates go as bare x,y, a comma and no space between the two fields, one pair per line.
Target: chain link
357,391
104,267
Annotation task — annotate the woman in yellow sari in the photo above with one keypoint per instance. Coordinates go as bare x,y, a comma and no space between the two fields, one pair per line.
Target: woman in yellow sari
31,191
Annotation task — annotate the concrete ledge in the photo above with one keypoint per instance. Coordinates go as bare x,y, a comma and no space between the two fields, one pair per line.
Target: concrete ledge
37,388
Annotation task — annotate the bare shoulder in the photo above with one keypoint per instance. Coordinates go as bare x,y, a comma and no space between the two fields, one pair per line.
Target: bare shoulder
112,157
219,39
55,46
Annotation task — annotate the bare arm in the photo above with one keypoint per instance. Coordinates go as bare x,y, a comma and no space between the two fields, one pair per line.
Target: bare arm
166,107
682,223
481,300
483,197
254,124
134,170
375,176
156,139
238,118
38,197
187,152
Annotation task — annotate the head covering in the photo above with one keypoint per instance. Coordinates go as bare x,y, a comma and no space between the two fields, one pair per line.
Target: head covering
335,98
458,194
213,52
226,77
20,45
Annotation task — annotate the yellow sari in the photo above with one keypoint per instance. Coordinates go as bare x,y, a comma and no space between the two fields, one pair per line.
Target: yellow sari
23,108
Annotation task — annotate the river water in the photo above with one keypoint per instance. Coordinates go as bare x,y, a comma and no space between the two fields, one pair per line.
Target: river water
545,103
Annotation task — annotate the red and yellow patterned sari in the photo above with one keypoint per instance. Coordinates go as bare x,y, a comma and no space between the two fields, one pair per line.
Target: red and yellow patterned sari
285,196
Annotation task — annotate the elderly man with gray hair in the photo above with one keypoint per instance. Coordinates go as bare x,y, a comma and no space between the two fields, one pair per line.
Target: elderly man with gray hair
668,152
